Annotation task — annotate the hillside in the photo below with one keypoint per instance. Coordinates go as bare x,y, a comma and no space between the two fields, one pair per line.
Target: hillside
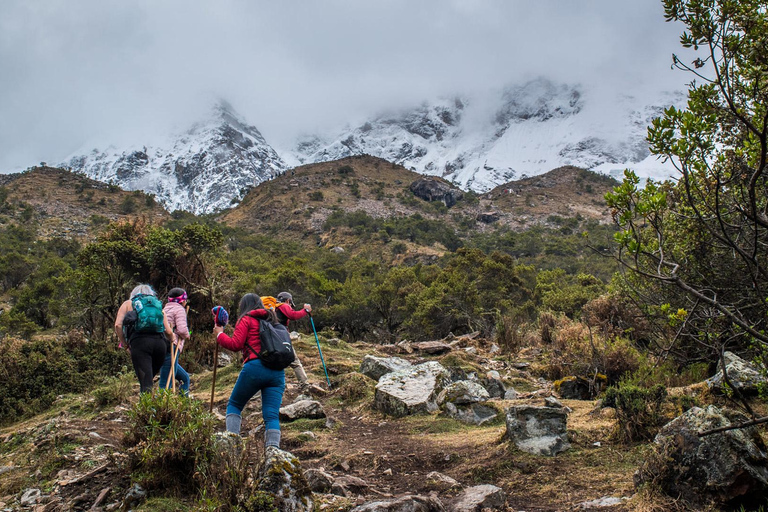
69,205
299,203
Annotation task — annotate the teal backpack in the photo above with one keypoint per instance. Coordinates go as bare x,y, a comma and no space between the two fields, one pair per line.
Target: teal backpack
149,314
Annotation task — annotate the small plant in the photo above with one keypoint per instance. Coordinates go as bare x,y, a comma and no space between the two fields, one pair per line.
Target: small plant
115,389
316,196
638,410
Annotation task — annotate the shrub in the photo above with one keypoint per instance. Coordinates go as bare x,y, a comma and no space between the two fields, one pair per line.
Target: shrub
638,410
354,386
316,196
169,440
115,390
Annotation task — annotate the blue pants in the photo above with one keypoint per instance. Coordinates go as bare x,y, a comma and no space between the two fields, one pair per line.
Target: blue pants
254,378
181,374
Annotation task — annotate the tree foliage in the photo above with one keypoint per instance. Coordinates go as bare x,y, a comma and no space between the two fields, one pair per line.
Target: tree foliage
700,241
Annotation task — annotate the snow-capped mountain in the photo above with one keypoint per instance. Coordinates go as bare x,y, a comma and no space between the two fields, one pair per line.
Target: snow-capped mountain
524,130
203,169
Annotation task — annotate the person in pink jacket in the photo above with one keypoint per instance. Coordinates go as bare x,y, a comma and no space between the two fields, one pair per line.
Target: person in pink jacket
176,313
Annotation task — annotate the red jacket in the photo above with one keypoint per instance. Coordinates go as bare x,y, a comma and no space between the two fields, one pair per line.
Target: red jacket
290,314
246,330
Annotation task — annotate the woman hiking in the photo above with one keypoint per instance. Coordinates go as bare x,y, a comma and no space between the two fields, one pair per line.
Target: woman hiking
254,377
146,335
285,313
176,313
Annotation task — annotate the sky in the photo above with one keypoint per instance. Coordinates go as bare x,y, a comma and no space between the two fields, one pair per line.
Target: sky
72,71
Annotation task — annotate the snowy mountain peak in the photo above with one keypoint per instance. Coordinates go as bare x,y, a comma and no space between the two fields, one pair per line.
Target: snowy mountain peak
202,169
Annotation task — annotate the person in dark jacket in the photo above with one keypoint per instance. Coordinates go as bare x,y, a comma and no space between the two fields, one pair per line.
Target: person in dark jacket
254,376
285,313
147,350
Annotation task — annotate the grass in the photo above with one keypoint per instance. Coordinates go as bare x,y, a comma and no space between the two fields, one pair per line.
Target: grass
434,425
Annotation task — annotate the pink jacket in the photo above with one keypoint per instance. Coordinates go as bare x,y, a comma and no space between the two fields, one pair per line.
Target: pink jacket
177,317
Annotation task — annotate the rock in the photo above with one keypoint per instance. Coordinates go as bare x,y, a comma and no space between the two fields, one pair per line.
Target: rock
473,414
442,481
375,367
718,468
281,476
310,409
511,394
134,497
228,449
408,503
432,347
463,392
7,469
349,486
551,401
470,350
573,388
30,497
337,250
494,386
295,335
224,360
319,480
479,497
493,374
538,430
606,501
405,347
488,217
495,349
743,375
411,391
432,189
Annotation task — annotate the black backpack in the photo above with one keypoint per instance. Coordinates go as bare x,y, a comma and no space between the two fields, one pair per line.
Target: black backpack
276,349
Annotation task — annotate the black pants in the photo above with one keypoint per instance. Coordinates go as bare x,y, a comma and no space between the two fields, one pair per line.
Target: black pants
148,355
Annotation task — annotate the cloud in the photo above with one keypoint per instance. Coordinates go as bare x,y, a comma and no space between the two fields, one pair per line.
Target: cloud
75,70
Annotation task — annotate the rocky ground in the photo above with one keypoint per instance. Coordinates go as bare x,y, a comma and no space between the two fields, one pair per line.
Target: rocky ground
70,458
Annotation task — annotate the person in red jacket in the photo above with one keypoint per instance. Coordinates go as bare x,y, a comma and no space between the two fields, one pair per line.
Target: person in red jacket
254,377
285,313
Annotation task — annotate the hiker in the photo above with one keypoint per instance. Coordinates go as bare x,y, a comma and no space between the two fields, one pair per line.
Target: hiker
285,313
176,313
254,377
146,335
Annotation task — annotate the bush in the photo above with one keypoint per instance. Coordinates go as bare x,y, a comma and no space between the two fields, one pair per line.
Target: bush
169,440
115,390
638,411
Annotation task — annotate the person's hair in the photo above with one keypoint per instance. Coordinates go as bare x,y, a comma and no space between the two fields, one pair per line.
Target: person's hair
251,301
176,292
142,289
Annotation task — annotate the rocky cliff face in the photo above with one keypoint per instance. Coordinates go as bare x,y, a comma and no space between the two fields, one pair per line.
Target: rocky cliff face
203,169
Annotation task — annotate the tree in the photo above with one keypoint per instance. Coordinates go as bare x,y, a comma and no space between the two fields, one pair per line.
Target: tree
700,242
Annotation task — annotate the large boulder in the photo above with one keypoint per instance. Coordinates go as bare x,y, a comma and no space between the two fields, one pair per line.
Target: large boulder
719,468
472,414
281,476
432,189
376,367
573,388
411,391
538,430
310,409
743,375
463,392
409,503
480,497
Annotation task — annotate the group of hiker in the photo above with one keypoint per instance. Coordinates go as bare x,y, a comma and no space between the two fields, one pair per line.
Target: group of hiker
155,335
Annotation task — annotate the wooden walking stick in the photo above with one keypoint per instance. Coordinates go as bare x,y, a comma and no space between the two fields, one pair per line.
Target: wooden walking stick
220,319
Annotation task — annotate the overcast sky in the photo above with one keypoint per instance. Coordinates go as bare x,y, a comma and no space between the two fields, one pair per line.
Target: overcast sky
71,70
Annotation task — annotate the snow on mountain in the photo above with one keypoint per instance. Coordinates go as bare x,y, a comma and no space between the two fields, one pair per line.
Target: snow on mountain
523,130
203,169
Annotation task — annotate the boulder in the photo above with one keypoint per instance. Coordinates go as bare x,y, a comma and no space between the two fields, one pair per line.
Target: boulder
408,503
573,388
432,189
463,392
538,430
743,375
30,497
411,391
494,386
480,497
488,217
718,468
348,486
472,414
442,481
281,476
318,480
310,409
434,348
375,367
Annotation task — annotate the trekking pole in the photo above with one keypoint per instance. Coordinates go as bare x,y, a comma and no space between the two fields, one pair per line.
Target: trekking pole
312,321
171,373
215,364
